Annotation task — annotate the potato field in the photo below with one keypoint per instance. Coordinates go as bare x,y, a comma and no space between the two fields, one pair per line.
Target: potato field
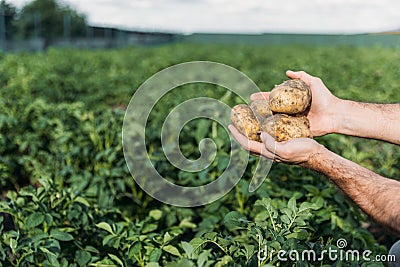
68,198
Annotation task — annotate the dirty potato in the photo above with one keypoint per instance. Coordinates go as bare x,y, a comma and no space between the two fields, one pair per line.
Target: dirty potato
246,122
284,127
290,97
261,109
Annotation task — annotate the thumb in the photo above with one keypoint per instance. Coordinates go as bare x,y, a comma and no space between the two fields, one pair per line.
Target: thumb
293,74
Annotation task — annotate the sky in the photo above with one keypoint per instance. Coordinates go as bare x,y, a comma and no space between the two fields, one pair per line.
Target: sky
242,16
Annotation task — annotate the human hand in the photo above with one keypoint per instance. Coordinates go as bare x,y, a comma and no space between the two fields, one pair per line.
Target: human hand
294,151
323,104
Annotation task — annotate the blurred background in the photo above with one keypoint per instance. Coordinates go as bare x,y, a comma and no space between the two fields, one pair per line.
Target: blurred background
36,25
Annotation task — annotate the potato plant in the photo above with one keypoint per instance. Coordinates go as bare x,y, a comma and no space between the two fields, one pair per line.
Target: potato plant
68,198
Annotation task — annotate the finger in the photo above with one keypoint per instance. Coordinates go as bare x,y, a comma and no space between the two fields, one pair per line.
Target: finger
250,145
269,142
258,148
302,75
293,74
235,133
240,138
260,96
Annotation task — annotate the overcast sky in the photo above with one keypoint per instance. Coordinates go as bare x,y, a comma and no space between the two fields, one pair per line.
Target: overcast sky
242,16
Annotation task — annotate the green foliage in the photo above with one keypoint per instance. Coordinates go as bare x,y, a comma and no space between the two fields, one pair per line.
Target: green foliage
50,14
69,200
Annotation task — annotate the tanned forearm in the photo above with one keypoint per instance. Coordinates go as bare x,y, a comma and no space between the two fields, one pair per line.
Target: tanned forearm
377,196
376,121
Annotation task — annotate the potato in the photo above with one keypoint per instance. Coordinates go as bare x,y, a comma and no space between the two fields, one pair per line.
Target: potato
284,127
290,97
246,122
261,109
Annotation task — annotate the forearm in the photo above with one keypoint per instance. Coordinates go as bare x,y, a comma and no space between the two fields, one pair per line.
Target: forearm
377,196
377,121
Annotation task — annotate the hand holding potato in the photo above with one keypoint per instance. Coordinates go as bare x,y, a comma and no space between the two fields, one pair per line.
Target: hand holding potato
323,104
329,114
281,116
294,151
293,132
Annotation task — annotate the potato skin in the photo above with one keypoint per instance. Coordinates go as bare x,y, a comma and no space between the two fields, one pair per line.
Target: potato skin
284,127
261,109
290,97
246,122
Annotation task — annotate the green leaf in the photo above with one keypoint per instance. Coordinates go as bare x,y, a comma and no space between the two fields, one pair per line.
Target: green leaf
233,220
167,238
261,216
105,226
319,202
46,183
288,212
300,221
186,223
188,248
116,259
197,243
155,255
112,241
53,245
156,214
306,205
92,249
203,257
173,250
149,228
211,236
48,219
249,251
312,189
292,204
60,235
300,235
47,251
135,250
224,242
267,203
38,237
13,244
82,201
285,219
82,257
34,220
